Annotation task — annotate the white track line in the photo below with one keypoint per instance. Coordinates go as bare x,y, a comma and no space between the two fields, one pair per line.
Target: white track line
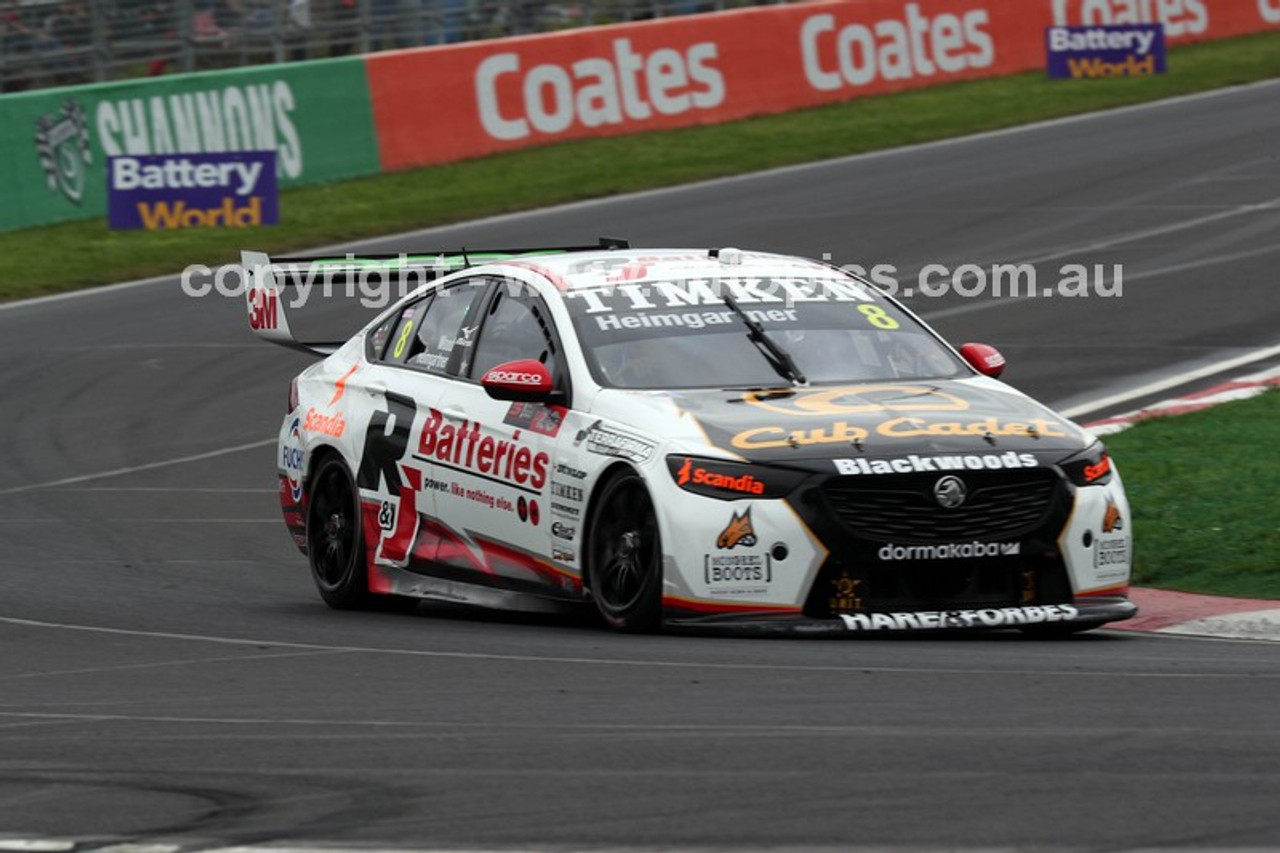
588,661
731,179
150,466
1171,382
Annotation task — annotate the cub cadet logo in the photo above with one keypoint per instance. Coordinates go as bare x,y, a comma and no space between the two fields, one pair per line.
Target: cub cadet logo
1180,17
950,551
234,118
857,54
333,425
1003,617
745,484
856,400
62,144
628,86
914,464
512,377
1111,518
739,531
841,432
464,447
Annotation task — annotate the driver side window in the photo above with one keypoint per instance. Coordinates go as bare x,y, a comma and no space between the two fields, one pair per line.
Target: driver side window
515,327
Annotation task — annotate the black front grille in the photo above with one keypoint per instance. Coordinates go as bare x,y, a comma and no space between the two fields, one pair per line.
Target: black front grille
898,508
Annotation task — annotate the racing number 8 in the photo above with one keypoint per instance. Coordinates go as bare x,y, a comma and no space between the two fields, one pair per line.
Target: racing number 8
403,340
877,317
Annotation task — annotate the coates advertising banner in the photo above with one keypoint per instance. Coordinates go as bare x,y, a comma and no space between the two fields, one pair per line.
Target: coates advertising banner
161,191
54,144
434,105
1129,51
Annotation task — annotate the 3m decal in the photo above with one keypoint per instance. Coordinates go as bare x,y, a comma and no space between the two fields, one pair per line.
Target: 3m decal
915,464
264,312
949,551
1002,617
739,531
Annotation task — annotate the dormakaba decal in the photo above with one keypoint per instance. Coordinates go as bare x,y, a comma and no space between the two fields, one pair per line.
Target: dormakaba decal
994,617
1180,17
949,551
915,464
890,49
595,91
463,445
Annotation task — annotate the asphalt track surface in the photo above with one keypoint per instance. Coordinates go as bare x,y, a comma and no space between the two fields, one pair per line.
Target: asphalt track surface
167,671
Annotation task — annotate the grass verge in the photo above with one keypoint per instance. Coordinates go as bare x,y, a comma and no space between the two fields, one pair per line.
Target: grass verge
1203,491
82,254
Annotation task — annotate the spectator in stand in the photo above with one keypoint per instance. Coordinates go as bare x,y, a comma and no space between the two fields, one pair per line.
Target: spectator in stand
297,28
16,46
343,31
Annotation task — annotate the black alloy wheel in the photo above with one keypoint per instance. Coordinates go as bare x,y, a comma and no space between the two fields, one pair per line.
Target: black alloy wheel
624,566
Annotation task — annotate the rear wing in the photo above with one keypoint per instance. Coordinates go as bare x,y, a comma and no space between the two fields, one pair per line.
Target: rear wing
267,280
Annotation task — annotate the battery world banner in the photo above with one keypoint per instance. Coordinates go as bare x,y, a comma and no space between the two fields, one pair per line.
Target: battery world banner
165,191
1128,51
55,143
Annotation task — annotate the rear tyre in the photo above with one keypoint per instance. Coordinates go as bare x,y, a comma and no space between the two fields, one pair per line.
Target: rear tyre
624,559
335,540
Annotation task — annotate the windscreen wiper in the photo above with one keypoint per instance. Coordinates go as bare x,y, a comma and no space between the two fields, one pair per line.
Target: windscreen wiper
779,359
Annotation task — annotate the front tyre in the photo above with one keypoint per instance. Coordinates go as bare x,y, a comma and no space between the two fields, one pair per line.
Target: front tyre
624,560
335,540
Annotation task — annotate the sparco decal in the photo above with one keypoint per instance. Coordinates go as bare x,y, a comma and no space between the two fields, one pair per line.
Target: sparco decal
598,90
949,551
1002,617
922,464
858,54
607,442
463,446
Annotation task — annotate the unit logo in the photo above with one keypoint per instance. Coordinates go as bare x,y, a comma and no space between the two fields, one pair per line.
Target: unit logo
739,531
62,144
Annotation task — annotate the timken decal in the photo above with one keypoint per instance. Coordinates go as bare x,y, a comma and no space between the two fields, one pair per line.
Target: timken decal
465,447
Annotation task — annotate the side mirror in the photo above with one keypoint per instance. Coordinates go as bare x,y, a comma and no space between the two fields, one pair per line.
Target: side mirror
522,381
984,358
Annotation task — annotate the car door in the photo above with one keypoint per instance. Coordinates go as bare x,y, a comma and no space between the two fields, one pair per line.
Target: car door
409,354
499,454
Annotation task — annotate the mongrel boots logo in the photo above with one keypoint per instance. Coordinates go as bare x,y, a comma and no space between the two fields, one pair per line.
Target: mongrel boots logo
629,86
1180,17
62,143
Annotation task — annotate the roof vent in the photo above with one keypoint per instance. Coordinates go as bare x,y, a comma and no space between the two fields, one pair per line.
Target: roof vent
729,257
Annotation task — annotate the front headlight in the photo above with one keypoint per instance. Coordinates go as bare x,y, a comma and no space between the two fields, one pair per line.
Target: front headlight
1090,467
731,481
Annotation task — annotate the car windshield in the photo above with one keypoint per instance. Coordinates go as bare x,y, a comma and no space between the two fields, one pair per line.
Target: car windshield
683,334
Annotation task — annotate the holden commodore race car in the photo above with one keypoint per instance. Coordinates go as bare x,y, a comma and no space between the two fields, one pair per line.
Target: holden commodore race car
702,440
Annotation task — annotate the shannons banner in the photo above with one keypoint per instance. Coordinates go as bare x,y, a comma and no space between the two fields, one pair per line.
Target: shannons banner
55,144
341,118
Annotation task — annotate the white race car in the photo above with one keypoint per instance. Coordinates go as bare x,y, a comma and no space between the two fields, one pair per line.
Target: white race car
703,440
